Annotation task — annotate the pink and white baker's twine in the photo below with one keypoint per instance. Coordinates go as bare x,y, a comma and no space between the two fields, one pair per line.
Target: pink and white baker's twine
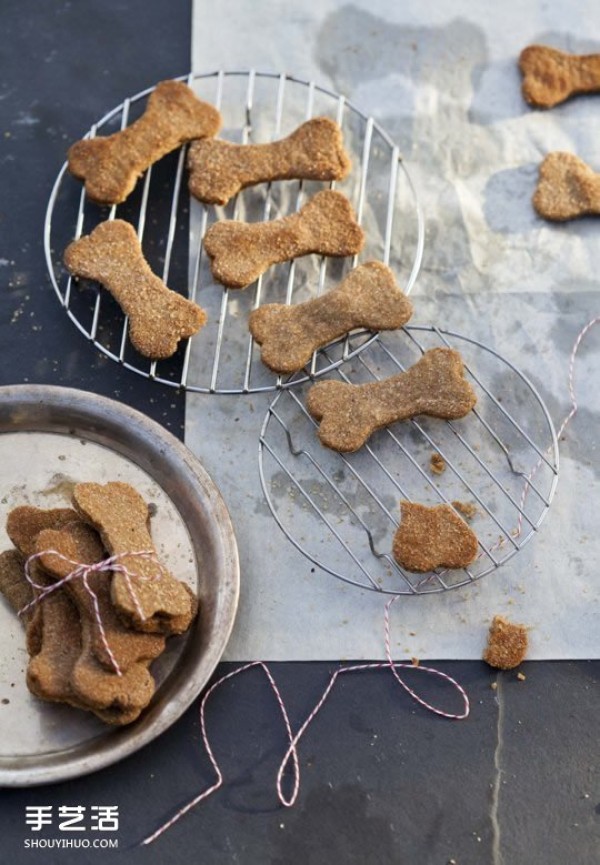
111,565
567,419
294,739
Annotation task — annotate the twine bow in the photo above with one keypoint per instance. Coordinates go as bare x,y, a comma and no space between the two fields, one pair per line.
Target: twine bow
81,571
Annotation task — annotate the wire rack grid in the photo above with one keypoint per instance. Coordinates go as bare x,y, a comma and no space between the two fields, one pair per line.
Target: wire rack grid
222,357
341,510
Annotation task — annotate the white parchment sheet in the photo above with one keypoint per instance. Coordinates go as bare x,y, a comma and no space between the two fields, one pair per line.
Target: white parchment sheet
442,79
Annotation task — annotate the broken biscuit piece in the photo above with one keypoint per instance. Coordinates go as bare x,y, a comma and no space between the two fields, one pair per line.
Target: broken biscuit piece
433,537
507,644
350,413
551,76
567,188
158,317
111,166
368,297
219,169
151,599
240,252
467,509
437,464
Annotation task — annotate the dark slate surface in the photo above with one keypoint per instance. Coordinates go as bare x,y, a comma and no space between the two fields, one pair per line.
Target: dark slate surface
383,781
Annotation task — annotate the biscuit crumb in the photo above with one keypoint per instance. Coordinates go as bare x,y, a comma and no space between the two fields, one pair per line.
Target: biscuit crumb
494,686
437,464
415,662
521,677
507,644
467,509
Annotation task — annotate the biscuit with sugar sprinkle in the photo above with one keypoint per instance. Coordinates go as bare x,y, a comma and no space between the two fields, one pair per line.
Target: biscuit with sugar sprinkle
349,414
110,166
433,537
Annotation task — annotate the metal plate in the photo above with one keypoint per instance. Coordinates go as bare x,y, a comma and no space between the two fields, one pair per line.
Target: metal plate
51,437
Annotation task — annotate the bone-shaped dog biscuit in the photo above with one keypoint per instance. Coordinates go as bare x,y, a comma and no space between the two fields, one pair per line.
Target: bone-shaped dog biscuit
314,151
15,589
158,317
62,666
111,166
65,669
78,542
567,188
24,523
96,687
368,297
22,526
551,76
433,537
55,645
119,513
239,251
350,413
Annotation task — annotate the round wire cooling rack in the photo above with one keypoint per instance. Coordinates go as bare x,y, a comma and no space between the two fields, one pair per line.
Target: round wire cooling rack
222,357
342,510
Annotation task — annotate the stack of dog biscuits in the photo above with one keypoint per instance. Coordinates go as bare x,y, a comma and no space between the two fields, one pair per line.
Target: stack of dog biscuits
92,639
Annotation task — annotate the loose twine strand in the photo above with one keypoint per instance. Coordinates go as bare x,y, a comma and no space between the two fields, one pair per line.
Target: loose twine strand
293,739
111,565
566,420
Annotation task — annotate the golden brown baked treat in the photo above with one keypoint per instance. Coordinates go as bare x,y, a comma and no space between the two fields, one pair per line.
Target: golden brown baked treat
158,317
25,522
240,252
350,413
111,166
78,542
551,76
567,188
507,644
118,512
22,526
57,657
314,151
13,586
433,537
62,667
467,509
368,297
437,464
